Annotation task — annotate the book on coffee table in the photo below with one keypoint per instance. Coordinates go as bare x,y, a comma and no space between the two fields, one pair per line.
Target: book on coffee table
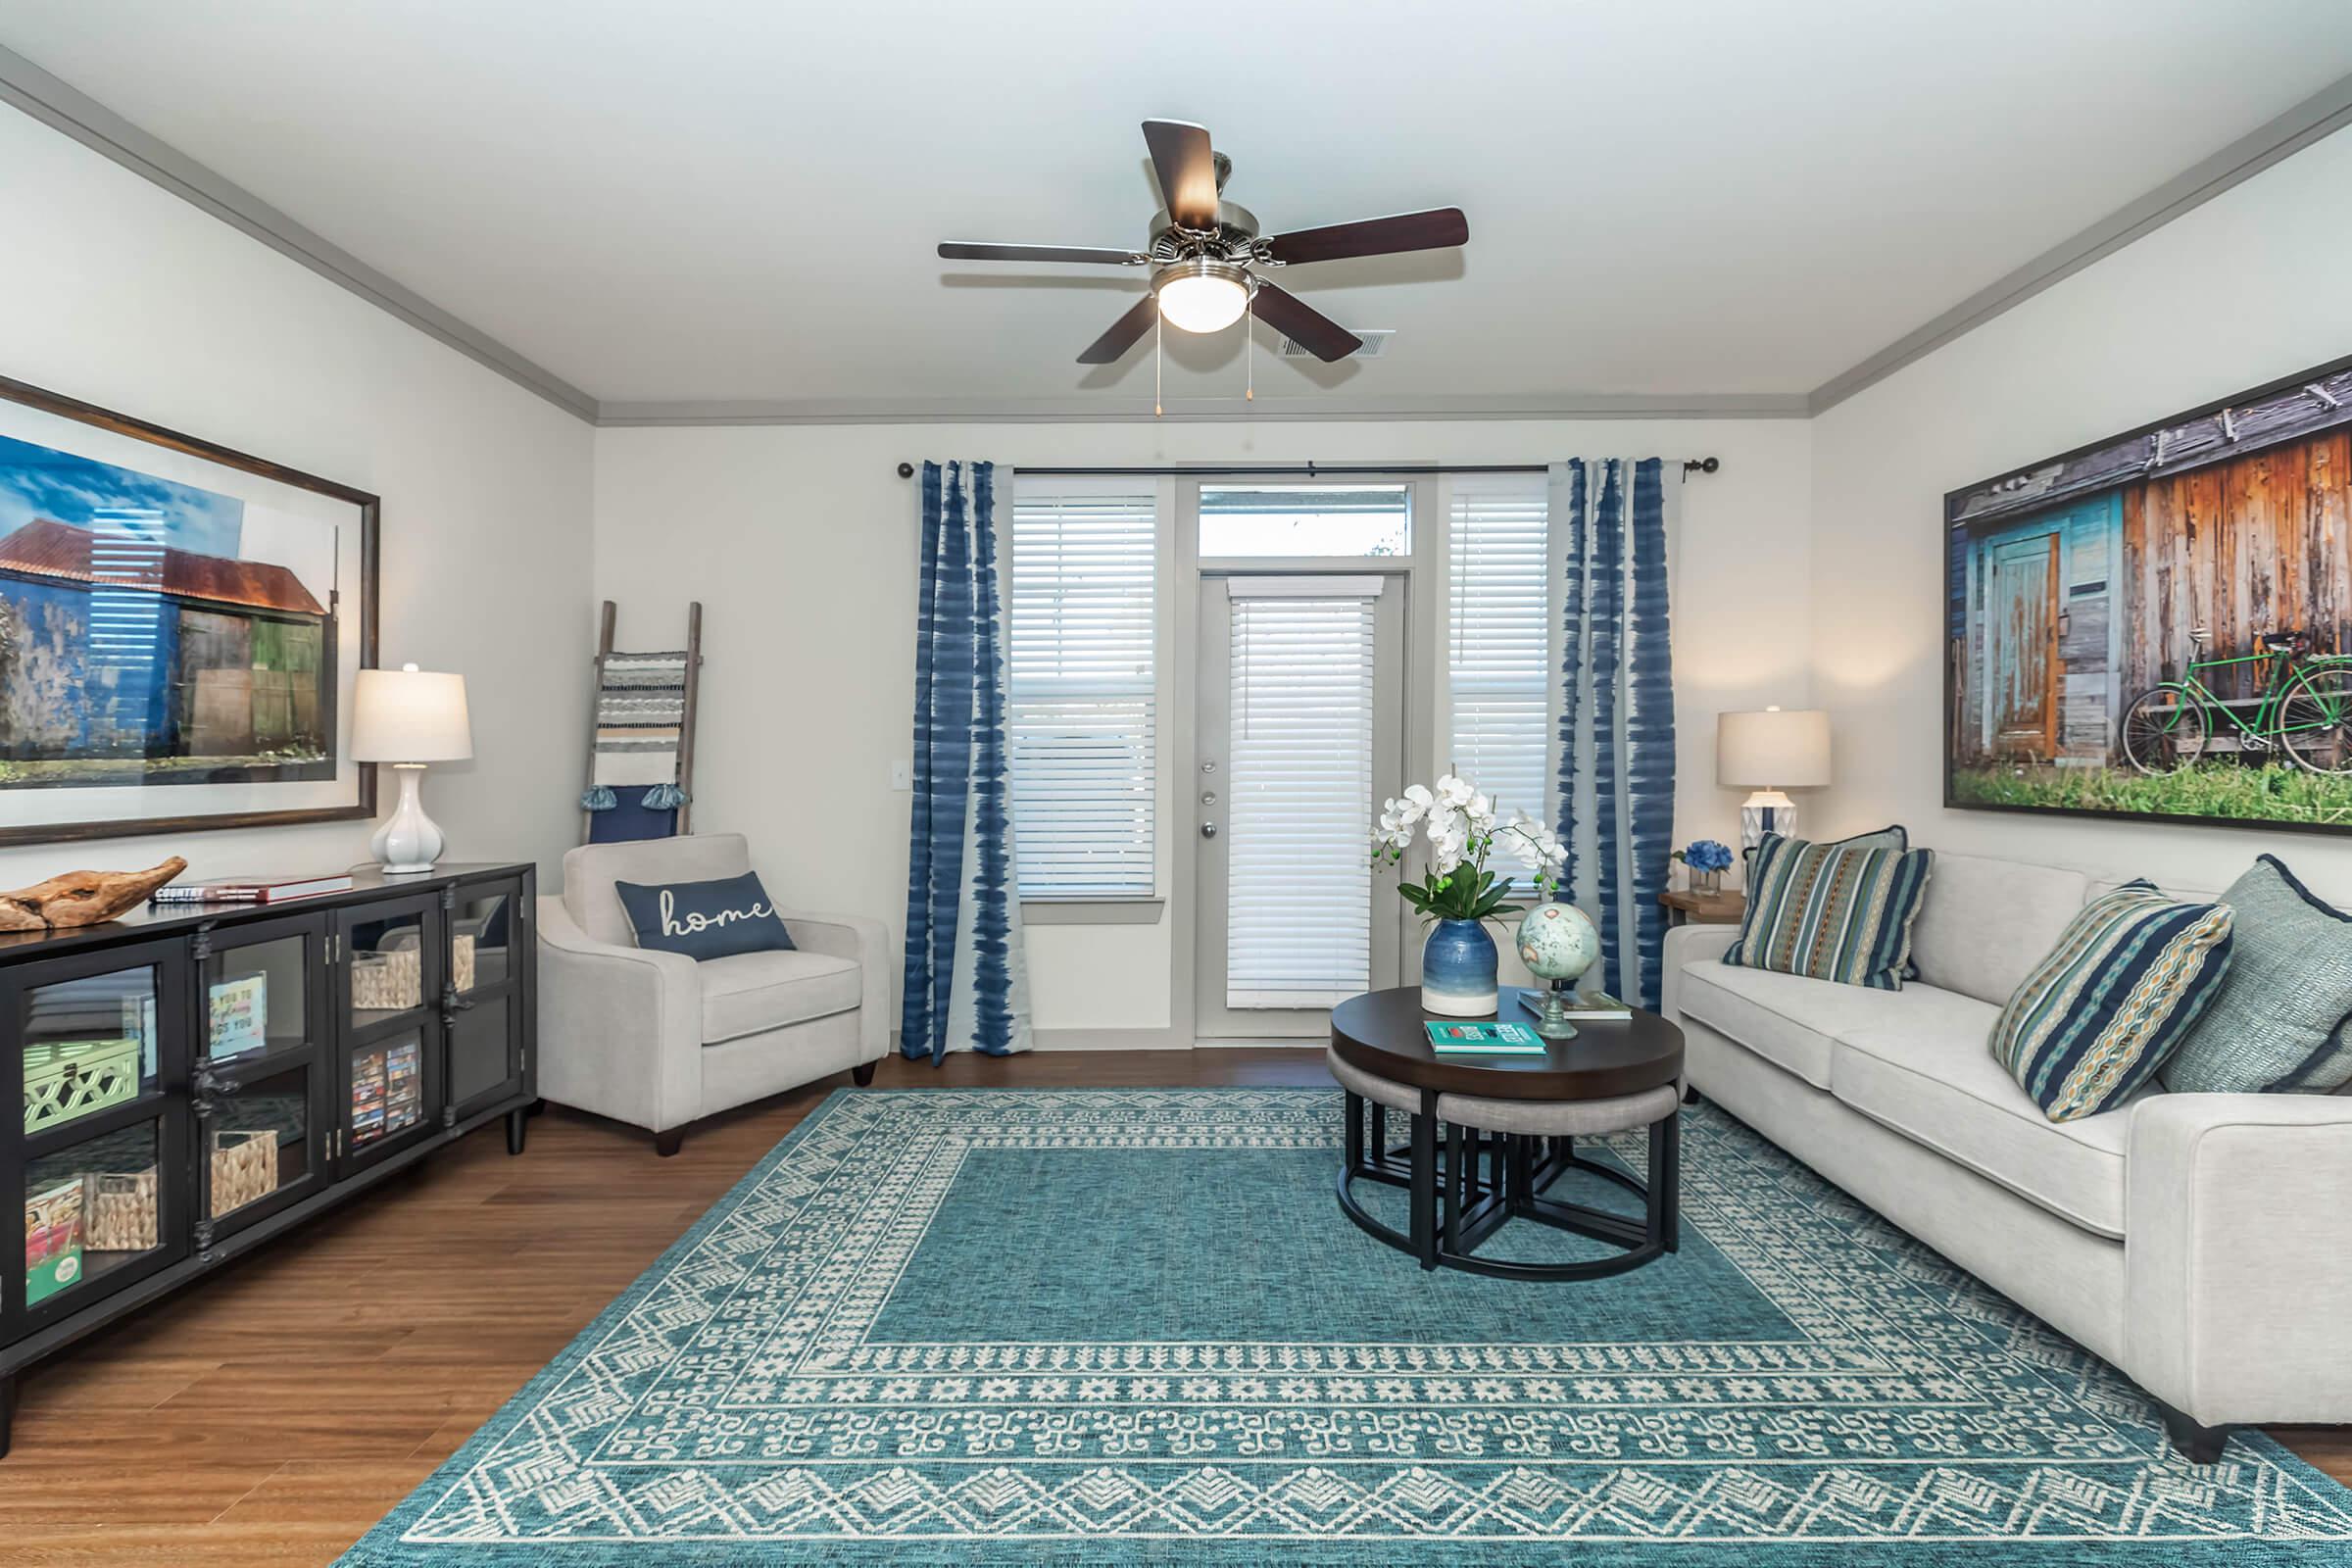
1580,1003
1483,1040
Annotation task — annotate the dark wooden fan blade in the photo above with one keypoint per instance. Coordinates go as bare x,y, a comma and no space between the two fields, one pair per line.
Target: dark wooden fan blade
1124,333
1187,170
966,250
1290,315
1373,236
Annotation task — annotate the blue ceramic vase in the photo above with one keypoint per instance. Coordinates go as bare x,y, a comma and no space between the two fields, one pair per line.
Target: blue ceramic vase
1457,970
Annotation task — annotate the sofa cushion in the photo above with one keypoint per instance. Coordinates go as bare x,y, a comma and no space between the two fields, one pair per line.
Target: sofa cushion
1947,1093
751,992
1831,911
1791,1022
1985,924
2283,1021
2113,999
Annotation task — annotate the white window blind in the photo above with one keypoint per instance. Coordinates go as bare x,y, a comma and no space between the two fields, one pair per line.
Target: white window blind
1299,906
1499,662
1082,713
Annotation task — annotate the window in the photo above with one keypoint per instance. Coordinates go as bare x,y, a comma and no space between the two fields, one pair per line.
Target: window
1082,719
1307,519
1498,643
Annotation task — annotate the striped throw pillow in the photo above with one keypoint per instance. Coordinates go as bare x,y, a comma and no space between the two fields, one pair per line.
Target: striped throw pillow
2113,998
1831,911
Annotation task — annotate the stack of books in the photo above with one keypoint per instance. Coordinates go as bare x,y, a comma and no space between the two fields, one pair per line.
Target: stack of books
250,890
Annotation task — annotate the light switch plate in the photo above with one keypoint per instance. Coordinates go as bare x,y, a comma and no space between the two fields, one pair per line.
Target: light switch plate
902,775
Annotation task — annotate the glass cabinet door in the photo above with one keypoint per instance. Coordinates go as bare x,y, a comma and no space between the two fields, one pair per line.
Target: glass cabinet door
257,1142
485,1034
262,1016
97,1048
393,958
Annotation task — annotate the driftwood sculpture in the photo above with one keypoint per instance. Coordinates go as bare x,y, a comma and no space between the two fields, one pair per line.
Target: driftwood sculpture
82,898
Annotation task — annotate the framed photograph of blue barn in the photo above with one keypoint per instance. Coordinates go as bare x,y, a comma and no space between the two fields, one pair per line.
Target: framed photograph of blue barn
2159,625
181,626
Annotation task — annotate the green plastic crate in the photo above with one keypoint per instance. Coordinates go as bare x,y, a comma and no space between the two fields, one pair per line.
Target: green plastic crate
69,1079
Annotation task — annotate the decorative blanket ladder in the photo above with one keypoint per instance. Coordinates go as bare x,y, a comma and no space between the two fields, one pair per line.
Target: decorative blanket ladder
640,742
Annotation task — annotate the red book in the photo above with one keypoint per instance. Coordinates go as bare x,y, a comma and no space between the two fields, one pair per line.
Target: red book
250,890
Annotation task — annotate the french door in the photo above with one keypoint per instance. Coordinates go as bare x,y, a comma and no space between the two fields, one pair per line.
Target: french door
1300,729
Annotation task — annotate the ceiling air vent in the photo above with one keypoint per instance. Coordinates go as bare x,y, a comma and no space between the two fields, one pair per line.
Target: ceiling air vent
1376,340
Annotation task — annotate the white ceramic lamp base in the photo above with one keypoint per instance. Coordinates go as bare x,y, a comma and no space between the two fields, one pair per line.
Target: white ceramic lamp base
1766,812
408,841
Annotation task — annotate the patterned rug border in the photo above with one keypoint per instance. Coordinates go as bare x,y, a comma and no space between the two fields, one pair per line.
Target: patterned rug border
382,1548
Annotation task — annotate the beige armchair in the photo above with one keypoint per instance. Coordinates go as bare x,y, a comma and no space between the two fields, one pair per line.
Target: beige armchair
658,1039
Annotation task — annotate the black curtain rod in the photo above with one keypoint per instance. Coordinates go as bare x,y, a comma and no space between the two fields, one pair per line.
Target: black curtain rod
1313,471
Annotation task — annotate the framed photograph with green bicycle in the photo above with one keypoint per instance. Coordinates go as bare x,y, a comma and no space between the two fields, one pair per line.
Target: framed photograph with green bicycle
2159,625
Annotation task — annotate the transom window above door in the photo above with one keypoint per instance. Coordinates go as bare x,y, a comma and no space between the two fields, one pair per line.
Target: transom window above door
1261,521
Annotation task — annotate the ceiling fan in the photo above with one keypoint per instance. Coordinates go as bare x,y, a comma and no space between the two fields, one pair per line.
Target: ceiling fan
1204,253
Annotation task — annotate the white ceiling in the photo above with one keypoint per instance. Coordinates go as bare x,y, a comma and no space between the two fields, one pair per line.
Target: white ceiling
705,200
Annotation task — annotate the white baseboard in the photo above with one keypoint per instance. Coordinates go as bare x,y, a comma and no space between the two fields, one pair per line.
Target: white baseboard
1109,1039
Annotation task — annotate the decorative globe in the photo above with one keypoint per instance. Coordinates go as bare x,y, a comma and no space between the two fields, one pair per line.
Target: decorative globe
1558,942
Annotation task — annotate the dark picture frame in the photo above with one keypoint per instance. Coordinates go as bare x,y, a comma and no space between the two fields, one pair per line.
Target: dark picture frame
2161,560
328,700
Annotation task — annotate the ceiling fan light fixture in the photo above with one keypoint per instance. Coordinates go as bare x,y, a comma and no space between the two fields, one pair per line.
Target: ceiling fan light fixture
1201,295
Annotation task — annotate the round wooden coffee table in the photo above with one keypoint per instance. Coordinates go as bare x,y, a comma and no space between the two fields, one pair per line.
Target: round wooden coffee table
1508,1126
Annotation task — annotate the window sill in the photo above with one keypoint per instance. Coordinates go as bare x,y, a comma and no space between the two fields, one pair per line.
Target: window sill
1092,911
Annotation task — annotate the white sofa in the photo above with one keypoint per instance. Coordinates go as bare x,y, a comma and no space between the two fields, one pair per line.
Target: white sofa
659,1039
2201,1243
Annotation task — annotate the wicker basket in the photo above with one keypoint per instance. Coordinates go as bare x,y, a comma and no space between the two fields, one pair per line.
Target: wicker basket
121,1211
392,979
387,982
70,1079
244,1169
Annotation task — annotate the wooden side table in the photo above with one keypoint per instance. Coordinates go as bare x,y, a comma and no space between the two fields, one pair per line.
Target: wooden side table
1686,907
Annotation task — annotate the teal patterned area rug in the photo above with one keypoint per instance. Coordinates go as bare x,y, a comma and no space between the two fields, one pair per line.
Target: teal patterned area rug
1132,1326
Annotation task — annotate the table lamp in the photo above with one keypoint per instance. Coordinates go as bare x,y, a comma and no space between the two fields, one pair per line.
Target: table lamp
409,717
1768,751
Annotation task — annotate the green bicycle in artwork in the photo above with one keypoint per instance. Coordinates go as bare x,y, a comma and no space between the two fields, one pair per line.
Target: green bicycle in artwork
2304,710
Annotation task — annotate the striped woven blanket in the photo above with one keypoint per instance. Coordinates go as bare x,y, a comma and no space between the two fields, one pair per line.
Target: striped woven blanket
640,707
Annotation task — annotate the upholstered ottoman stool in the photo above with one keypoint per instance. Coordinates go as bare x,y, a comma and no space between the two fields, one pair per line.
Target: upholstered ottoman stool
1368,1154
1525,1146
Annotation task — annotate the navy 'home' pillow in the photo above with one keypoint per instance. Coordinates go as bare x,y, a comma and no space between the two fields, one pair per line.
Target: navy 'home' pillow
704,919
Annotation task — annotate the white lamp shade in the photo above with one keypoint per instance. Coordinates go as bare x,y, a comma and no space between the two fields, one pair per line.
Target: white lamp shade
410,716
1777,749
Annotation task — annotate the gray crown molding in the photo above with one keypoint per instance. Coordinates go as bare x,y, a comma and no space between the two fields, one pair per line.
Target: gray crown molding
1101,410
67,108
63,107
2314,119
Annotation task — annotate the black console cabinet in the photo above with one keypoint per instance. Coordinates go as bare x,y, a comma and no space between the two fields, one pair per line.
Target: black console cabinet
198,1079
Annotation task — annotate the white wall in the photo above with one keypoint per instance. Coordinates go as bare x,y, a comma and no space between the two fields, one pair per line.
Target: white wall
2246,289
114,291
800,541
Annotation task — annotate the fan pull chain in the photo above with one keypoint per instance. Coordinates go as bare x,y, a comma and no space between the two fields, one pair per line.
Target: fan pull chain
1156,409
1248,357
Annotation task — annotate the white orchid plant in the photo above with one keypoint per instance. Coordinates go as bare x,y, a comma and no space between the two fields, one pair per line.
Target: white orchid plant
1460,825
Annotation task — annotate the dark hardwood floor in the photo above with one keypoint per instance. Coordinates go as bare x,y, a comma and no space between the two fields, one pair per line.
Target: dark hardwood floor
273,1414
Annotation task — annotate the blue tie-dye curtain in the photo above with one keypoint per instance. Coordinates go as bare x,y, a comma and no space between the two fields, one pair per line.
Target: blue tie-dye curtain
1616,707
966,975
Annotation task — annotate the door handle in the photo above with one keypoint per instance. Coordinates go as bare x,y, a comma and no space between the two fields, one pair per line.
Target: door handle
1208,830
